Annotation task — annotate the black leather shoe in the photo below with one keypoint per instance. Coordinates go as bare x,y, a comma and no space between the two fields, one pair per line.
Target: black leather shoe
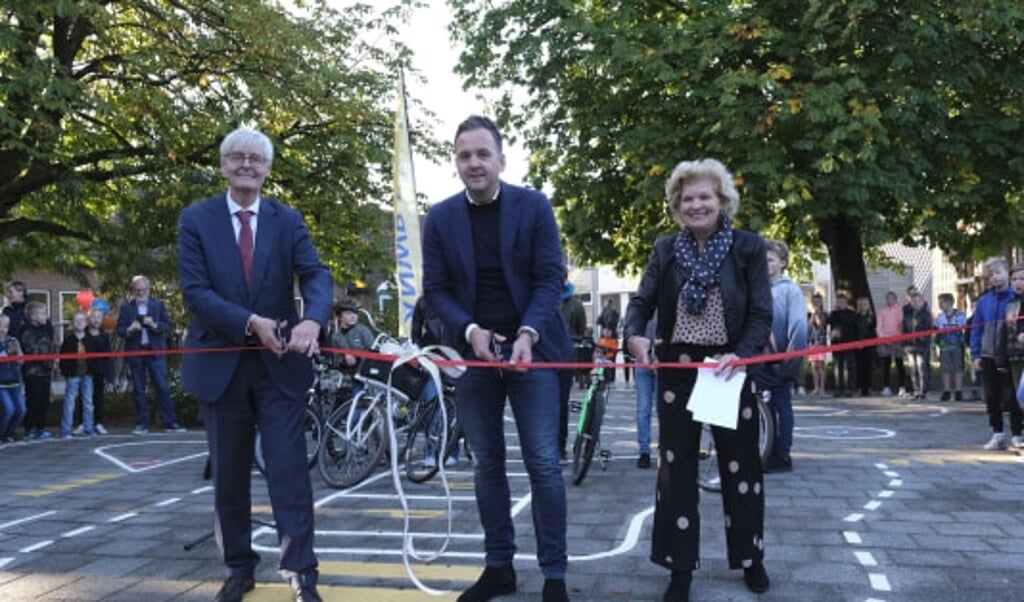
554,591
495,581
307,594
679,588
774,465
234,588
756,578
644,461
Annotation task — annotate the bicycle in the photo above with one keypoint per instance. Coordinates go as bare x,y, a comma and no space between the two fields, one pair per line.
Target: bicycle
708,477
356,433
588,428
328,387
421,453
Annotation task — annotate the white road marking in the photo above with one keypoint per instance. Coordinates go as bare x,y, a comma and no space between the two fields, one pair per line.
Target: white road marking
5,561
886,494
36,546
122,517
879,582
853,518
27,519
852,537
865,559
872,505
896,483
103,453
79,531
167,502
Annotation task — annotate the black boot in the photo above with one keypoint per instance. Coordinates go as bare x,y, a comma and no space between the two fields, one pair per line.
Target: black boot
554,591
679,588
495,581
756,578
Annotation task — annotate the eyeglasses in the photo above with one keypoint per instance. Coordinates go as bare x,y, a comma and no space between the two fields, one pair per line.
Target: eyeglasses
241,158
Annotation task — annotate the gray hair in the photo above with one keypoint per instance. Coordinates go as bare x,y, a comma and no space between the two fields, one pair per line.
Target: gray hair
711,170
245,137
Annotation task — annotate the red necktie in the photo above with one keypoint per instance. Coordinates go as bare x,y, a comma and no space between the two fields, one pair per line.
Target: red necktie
245,244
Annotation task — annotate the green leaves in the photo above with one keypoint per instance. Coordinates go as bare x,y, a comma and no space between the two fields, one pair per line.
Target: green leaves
111,114
849,124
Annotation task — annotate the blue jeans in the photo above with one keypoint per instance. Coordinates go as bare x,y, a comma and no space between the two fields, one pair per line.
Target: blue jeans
12,410
646,387
534,398
781,404
156,367
74,386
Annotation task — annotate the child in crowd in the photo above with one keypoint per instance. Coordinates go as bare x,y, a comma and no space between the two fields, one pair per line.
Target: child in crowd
78,382
987,325
865,356
817,336
609,347
842,323
101,369
12,402
890,324
36,339
918,349
950,341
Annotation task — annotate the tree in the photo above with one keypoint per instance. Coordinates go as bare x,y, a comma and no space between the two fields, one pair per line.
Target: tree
847,124
111,114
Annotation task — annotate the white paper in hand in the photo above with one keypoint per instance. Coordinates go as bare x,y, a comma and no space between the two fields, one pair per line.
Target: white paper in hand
715,400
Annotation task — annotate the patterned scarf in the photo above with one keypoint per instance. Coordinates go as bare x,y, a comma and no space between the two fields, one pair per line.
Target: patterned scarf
700,269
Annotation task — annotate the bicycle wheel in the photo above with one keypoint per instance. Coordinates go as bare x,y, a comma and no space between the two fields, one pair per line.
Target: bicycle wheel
589,437
350,452
766,429
421,454
312,431
707,468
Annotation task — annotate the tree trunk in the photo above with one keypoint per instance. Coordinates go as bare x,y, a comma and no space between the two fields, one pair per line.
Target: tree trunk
841,236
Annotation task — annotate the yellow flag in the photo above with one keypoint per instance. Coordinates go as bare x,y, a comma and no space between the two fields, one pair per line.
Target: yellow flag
408,251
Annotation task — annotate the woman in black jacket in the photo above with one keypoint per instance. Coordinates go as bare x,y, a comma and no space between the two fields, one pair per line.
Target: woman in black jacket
710,286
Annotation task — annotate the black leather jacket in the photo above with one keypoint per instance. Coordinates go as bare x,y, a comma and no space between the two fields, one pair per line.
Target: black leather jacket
746,294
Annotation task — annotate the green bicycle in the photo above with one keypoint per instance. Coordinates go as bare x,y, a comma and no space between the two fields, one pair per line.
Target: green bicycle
588,428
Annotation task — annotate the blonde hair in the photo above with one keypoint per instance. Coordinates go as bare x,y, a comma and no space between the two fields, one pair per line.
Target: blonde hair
711,170
994,262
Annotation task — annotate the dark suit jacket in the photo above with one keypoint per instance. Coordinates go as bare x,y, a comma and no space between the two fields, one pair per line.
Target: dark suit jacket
157,335
746,294
213,287
531,260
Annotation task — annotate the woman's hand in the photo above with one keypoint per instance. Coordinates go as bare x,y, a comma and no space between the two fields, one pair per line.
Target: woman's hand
726,368
640,349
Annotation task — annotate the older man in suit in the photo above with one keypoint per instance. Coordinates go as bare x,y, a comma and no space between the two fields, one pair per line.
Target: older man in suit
239,255
493,271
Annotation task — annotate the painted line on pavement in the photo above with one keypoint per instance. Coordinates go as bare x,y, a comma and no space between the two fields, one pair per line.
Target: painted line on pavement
67,485
27,519
36,546
78,531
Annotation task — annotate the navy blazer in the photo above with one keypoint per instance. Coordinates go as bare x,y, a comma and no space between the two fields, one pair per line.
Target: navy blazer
746,294
128,313
213,287
532,263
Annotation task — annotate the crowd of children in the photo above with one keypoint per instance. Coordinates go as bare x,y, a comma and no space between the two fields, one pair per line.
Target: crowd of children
25,382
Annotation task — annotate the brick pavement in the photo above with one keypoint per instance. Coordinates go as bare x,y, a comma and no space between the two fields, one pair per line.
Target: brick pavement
889,500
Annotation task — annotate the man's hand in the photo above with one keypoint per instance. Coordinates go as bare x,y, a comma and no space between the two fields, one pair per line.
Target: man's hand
522,351
480,341
134,326
304,337
266,330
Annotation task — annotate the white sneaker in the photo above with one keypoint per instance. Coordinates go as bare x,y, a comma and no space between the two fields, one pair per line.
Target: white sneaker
430,462
101,430
451,461
998,441
886,392
79,430
801,392
1017,442
902,392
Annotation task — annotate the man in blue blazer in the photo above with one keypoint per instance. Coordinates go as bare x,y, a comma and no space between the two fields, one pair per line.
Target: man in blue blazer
239,255
493,270
144,324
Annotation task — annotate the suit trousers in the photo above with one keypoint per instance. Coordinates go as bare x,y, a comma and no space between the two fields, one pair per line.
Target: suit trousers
253,400
676,533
